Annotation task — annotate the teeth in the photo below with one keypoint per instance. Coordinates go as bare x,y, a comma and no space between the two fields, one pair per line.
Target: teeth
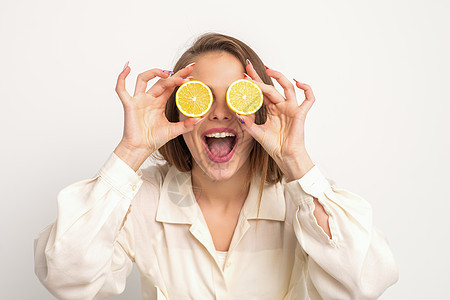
219,134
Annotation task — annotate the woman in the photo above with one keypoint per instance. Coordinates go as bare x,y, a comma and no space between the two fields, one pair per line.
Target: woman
247,217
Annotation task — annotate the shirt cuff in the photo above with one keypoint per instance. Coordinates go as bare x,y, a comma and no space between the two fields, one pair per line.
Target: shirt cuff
121,176
314,182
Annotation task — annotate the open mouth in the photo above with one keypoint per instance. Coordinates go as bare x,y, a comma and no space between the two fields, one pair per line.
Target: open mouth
220,144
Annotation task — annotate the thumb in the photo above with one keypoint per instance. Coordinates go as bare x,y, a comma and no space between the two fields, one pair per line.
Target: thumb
178,128
255,130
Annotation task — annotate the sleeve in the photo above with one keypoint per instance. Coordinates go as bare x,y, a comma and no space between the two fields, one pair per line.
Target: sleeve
81,255
356,262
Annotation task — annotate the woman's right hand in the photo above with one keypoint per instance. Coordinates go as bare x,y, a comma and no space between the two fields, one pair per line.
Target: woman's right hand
146,127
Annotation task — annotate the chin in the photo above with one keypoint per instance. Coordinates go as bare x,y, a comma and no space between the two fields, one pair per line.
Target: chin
218,171
219,153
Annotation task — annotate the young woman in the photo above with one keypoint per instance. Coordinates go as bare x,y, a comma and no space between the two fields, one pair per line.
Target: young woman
249,216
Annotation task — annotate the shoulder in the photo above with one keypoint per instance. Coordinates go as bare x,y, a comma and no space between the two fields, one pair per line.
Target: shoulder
144,205
155,173
152,181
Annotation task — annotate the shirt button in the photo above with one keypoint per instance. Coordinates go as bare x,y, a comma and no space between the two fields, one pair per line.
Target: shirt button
228,264
133,187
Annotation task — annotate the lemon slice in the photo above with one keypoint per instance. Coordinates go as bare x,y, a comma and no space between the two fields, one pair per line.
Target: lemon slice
194,98
244,97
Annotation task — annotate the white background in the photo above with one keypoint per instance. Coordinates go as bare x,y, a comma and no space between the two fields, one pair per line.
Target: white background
379,127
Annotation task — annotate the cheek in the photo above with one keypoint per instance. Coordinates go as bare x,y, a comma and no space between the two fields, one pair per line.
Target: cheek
194,144
246,146
189,141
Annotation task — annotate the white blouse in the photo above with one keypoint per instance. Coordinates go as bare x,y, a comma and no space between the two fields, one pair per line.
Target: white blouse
151,217
221,257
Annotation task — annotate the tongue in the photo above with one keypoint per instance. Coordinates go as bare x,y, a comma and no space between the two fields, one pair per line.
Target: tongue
220,146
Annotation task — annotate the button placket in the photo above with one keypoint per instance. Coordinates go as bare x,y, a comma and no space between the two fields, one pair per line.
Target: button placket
228,264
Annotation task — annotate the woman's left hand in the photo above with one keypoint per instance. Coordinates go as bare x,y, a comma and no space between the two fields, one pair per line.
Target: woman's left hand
282,135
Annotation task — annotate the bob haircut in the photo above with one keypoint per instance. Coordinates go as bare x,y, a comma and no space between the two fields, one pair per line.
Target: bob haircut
176,153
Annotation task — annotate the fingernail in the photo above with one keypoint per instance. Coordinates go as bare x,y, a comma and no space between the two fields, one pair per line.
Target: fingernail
267,68
246,76
296,80
188,77
249,62
240,119
192,64
167,71
126,65
198,121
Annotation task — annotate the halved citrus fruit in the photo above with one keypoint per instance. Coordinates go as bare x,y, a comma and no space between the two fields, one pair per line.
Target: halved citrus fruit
244,97
194,98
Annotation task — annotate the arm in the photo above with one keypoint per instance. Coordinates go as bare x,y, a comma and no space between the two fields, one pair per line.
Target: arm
321,217
346,257
83,254
297,169
353,259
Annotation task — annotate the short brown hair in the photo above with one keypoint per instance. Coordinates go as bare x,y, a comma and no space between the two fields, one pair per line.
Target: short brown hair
176,152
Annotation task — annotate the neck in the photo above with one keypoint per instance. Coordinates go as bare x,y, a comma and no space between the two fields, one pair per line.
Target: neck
220,193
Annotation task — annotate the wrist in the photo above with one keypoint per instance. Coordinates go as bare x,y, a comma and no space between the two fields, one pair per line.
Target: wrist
133,157
298,166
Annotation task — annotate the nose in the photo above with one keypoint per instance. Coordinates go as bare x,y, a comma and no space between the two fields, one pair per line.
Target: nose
220,111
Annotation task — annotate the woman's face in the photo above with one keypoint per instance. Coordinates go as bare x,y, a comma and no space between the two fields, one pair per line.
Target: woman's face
219,147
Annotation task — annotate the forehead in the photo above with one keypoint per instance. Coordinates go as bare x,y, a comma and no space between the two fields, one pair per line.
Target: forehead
217,69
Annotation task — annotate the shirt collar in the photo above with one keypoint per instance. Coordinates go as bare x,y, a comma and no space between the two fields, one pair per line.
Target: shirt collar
177,203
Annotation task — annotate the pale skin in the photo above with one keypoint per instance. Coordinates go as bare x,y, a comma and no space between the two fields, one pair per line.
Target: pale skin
218,186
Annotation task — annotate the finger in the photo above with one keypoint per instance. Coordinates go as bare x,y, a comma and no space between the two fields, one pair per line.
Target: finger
252,72
185,71
288,87
120,85
163,85
272,110
258,132
271,95
175,129
167,85
309,96
145,77
166,94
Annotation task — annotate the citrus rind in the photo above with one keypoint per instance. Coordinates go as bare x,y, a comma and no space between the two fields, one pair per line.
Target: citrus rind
186,103
238,91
